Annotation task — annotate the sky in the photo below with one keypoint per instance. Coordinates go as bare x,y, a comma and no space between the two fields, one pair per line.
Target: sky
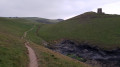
55,9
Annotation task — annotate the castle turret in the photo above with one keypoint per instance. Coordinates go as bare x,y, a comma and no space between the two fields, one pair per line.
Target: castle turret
99,11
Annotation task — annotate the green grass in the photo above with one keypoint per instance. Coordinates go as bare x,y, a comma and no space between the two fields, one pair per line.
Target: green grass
32,35
101,30
15,27
12,50
76,57
48,58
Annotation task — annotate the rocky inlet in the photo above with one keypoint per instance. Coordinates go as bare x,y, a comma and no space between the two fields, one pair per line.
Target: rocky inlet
88,54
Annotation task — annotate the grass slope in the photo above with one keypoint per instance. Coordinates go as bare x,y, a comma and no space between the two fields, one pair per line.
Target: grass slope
48,58
13,52
97,29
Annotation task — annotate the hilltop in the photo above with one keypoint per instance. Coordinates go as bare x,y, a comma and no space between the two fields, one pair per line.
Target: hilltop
92,38
95,29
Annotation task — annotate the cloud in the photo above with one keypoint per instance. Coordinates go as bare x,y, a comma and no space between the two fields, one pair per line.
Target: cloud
50,8
112,8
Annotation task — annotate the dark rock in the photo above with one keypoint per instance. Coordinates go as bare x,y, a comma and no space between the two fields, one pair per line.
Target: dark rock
93,55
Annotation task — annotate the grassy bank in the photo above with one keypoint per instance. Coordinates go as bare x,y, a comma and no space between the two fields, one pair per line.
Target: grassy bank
12,50
101,30
48,58
13,53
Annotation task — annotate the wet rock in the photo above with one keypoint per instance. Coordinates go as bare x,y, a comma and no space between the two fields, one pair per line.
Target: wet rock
93,55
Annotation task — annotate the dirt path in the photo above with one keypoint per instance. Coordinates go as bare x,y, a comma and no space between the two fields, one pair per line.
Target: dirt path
32,56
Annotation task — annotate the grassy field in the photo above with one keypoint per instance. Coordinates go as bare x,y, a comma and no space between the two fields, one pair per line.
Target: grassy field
48,58
32,35
94,29
14,26
12,50
101,30
13,53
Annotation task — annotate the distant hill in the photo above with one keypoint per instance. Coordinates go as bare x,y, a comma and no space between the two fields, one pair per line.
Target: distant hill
102,30
40,20
43,20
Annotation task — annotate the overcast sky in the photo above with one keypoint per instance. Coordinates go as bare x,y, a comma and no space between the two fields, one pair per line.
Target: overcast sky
54,9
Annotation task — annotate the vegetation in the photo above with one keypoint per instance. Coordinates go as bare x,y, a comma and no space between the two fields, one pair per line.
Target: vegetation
76,57
48,58
42,20
32,35
95,29
13,52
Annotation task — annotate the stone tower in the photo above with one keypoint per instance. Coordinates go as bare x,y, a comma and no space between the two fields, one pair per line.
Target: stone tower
99,11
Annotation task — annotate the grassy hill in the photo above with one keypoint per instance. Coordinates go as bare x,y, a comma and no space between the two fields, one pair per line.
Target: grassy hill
12,49
13,52
102,30
43,20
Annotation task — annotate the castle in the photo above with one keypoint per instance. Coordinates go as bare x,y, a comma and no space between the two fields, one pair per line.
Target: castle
99,11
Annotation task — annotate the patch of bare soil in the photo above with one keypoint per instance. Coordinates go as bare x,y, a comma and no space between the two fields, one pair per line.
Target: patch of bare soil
32,56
